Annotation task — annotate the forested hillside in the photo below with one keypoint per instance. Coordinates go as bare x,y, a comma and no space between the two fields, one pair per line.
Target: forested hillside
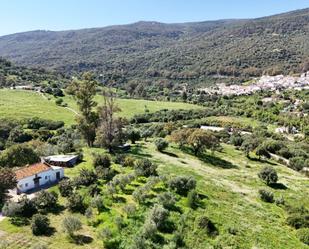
12,75
178,53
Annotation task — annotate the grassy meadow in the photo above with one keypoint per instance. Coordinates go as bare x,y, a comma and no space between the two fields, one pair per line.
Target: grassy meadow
229,184
25,104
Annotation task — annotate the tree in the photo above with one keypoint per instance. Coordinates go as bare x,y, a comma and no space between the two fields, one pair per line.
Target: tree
76,203
46,200
261,151
87,121
8,181
133,135
65,188
70,225
161,144
18,155
200,140
268,175
109,133
180,137
182,184
144,167
39,224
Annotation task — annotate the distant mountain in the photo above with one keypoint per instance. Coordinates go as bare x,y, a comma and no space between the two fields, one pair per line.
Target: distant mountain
156,52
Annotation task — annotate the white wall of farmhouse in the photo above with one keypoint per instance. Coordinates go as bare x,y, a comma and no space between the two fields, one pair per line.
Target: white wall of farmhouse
45,177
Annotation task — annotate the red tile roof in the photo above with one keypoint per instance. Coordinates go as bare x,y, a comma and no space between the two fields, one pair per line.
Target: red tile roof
31,170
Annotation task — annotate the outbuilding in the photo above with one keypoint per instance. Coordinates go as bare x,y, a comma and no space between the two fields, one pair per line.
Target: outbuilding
62,160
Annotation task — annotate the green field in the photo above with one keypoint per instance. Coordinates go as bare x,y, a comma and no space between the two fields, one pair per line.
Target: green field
231,188
25,104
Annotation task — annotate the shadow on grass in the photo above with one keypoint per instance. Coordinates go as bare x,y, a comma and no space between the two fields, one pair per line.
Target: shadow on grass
217,162
169,154
119,199
137,151
81,239
278,186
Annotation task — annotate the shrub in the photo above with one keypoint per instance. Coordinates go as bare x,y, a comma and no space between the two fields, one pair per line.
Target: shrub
298,220
39,224
206,224
97,202
297,163
182,184
158,214
236,140
167,199
128,161
102,160
266,196
130,209
280,200
76,203
11,209
144,167
192,199
303,235
161,144
59,101
71,224
65,188
46,200
268,175
86,178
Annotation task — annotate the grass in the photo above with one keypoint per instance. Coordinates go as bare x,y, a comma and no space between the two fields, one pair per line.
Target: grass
230,200
25,104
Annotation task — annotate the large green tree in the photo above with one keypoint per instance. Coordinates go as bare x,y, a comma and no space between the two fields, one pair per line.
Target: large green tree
87,121
7,181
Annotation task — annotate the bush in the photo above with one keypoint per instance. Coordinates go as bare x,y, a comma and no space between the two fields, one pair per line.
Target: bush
65,188
268,175
46,200
76,203
192,199
266,196
71,224
167,199
182,184
102,160
161,144
59,101
297,163
133,135
298,220
39,224
158,214
86,178
144,167
206,224
303,235
128,161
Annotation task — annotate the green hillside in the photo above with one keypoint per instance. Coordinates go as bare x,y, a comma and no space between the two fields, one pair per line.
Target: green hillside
26,104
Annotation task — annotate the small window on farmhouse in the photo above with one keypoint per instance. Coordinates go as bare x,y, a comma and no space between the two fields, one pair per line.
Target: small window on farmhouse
46,177
26,184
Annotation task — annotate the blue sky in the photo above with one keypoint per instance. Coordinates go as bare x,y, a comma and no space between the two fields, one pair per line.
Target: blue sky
25,15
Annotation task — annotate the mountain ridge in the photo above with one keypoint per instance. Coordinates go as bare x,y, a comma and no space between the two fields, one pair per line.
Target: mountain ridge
180,52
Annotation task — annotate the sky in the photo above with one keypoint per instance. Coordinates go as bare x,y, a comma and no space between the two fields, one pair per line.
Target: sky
25,15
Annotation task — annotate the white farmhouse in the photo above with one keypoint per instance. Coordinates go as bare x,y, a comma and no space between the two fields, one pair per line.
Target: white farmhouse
36,176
